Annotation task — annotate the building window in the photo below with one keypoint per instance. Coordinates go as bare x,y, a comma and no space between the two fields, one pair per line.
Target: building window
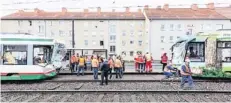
93,34
202,27
70,32
15,54
61,33
41,29
124,33
112,49
30,22
61,22
85,24
189,32
123,42
101,43
112,29
19,22
171,27
86,42
112,38
101,33
131,53
131,42
52,33
85,32
162,39
93,42
140,33
219,26
178,37
50,23
162,28
208,27
179,27
140,43
132,33
171,39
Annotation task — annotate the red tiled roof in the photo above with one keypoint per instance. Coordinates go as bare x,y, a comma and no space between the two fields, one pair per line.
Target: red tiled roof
75,15
152,13
183,13
225,12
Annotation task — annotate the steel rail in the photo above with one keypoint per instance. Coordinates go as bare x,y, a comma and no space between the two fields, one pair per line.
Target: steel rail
116,91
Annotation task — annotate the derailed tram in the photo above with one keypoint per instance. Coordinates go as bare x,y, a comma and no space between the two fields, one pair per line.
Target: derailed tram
205,50
26,57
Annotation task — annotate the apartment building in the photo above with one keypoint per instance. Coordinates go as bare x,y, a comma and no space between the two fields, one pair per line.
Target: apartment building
118,32
123,33
169,24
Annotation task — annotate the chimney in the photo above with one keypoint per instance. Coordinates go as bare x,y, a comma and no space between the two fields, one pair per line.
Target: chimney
20,11
146,7
64,10
85,10
139,10
36,10
166,7
127,9
194,7
113,10
210,6
99,10
158,7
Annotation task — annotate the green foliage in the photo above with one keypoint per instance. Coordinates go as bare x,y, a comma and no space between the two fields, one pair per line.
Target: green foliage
213,72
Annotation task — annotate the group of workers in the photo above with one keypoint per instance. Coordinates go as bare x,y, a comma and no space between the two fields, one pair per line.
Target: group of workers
97,63
142,63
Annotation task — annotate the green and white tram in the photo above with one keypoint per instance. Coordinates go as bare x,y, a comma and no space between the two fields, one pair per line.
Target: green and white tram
26,57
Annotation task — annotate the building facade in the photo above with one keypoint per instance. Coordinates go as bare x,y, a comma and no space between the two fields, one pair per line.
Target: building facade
123,33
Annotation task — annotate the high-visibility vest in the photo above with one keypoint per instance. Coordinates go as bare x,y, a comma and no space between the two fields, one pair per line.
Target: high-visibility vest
81,61
73,59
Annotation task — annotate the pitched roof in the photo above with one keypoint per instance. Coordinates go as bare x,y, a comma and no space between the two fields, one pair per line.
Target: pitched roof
183,13
75,15
225,12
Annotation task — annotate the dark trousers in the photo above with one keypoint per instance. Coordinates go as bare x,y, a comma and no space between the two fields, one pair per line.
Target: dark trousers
118,72
164,64
141,67
72,67
110,73
104,74
123,66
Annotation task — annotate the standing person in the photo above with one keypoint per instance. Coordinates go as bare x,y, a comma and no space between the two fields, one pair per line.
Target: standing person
85,62
91,62
122,68
73,63
118,67
164,60
104,71
186,74
95,66
81,65
141,62
77,62
111,66
148,59
136,61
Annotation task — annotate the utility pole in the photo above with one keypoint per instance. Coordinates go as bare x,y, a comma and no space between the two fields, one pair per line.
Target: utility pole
73,34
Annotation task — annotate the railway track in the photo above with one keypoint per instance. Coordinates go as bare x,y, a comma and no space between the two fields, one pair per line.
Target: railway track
115,96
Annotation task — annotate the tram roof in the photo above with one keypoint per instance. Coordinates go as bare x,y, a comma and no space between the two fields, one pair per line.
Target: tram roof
11,38
87,49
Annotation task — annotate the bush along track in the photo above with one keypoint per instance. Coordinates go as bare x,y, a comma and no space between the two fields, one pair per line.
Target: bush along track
213,73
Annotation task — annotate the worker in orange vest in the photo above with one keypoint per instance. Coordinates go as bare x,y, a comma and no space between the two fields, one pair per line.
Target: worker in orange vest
73,63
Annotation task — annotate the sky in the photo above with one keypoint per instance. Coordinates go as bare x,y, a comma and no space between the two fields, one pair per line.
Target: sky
11,6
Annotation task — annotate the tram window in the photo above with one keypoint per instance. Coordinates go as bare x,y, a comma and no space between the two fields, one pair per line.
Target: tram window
42,55
225,54
15,55
195,52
